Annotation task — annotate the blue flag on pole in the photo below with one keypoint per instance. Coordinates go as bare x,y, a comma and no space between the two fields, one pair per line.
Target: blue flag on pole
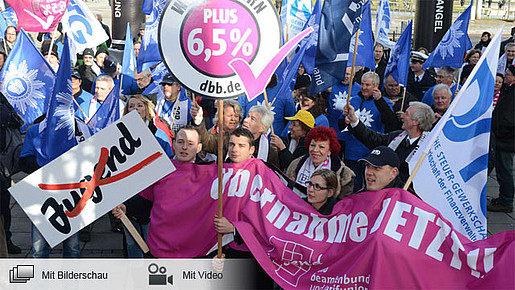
107,113
365,51
27,79
398,64
293,17
149,54
337,24
383,24
451,49
57,130
311,50
129,58
460,142
10,17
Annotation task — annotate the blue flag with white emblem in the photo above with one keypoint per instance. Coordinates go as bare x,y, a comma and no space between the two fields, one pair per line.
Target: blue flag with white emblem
454,44
57,130
27,79
383,24
398,64
453,176
107,113
149,54
365,51
337,24
129,58
293,17
311,50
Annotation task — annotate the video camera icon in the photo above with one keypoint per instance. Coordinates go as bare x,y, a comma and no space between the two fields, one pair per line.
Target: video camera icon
21,273
155,278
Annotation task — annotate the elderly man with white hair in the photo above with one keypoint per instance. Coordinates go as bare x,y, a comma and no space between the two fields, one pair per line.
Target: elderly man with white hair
417,122
258,122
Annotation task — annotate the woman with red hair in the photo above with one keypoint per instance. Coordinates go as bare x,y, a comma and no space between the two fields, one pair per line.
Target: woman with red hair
323,148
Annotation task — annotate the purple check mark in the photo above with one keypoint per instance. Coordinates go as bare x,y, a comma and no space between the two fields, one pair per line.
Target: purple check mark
256,85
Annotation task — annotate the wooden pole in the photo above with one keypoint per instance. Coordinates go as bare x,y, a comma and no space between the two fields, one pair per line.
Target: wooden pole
459,79
352,69
410,179
220,168
84,113
121,85
134,233
403,98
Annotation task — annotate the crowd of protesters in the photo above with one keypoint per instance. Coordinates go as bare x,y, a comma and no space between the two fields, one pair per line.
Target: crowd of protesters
331,149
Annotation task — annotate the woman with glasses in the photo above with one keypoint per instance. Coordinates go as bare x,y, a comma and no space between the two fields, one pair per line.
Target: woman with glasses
321,189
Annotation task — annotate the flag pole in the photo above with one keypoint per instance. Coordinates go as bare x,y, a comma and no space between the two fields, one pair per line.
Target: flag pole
121,85
52,42
352,69
220,168
403,98
85,116
459,79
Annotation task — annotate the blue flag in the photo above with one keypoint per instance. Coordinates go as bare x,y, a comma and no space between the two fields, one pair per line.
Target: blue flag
10,17
107,113
337,24
311,50
383,24
27,79
451,49
289,75
398,64
461,142
149,54
129,58
147,6
57,130
294,15
365,53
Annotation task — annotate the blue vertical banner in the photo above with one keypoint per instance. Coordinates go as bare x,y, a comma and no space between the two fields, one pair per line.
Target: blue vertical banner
337,24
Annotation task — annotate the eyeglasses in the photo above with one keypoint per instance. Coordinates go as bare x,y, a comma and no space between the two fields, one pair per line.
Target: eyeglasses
316,186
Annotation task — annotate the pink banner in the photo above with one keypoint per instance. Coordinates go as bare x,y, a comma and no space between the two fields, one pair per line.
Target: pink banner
39,15
382,239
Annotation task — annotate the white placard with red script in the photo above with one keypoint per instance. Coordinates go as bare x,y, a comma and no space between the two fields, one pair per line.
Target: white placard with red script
92,178
198,41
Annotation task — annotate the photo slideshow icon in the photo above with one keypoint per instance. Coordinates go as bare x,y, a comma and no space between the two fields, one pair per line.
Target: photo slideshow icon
21,273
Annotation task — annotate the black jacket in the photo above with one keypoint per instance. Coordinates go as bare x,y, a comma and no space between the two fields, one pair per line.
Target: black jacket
503,125
419,89
286,157
372,139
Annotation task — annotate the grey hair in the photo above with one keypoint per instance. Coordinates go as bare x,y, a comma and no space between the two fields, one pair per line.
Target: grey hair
441,87
106,78
448,70
371,75
508,45
267,117
423,114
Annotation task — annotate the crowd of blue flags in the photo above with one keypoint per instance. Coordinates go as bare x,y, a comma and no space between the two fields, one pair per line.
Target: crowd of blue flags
27,77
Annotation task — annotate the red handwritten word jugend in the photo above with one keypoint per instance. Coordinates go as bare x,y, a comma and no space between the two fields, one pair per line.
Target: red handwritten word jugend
91,184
